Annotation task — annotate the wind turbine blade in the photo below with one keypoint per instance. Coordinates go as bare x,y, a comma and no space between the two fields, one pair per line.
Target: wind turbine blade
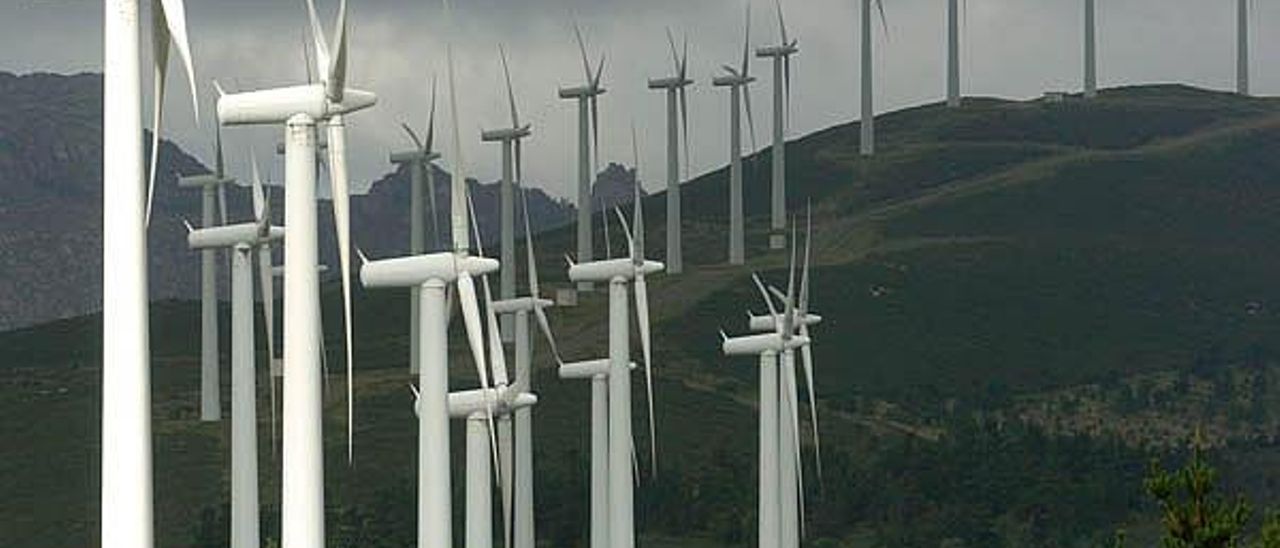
534,290
789,317
782,23
160,60
675,57
413,136
336,83
431,121
175,16
268,322
786,90
506,477
751,119
220,163
604,218
317,39
789,392
768,301
637,254
497,358
431,199
582,47
595,137
884,21
511,94
684,121
746,45
626,231
342,226
471,321
458,206
259,199
806,355
306,57
519,163
642,321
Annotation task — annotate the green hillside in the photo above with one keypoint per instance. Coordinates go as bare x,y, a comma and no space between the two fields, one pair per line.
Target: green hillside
987,256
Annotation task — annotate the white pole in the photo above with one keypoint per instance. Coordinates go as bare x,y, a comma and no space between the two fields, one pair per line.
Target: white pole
417,246
768,509
778,211
600,461
867,144
621,526
507,199
210,400
675,260
435,519
788,479
1090,50
244,425
524,524
953,53
126,364
584,187
735,176
302,499
1242,47
479,518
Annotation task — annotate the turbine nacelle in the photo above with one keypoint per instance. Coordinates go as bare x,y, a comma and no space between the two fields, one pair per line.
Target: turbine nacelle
581,92
496,401
276,106
754,345
608,270
249,234
588,369
778,50
416,270
522,304
203,181
730,80
414,157
506,134
770,323
669,82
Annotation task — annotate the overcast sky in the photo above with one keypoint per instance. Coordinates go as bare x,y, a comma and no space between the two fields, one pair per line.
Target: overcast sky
1011,48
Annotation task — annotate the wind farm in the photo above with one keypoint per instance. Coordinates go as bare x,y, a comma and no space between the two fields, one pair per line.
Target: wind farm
961,318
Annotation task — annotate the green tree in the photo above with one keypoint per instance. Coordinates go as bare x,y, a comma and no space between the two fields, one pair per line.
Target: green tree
1194,515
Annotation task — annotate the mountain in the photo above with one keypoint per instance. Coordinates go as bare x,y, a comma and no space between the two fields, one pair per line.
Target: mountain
1024,302
50,217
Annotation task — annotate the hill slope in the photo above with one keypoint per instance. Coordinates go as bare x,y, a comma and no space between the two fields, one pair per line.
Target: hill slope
987,254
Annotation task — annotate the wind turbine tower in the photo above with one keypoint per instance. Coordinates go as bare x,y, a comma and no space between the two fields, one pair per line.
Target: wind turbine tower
300,108
1242,47
738,80
953,53
1090,50
510,138
421,183
587,96
212,197
867,123
127,507
781,55
677,119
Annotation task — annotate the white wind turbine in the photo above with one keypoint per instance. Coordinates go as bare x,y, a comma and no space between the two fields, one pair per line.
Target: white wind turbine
778,511
300,108
127,508
1242,47
781,55
1090,50
675,87
213,200
421,182
587,95
867,123
738,80
619,273
510,138
243,240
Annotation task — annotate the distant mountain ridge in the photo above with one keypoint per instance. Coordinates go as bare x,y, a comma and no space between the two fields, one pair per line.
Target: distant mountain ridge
51,210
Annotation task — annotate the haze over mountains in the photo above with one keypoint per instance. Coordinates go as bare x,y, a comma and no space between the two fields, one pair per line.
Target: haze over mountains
51,205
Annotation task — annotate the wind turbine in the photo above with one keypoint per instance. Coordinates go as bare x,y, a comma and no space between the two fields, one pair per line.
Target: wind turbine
953,52
127,507
587,95
737,80
422,181
518,487
677,101
778,476
300,108
1090,50
1242,47
244,241
781,55
213,197
597,371
619,273
510,139
867,142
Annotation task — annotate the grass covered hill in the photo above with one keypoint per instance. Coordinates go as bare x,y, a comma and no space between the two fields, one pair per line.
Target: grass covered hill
985,257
